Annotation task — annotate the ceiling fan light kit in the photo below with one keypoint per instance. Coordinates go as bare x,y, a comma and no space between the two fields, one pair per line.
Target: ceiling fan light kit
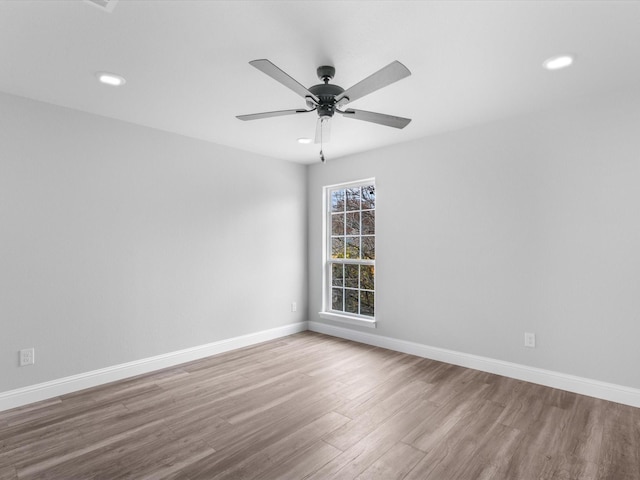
327,98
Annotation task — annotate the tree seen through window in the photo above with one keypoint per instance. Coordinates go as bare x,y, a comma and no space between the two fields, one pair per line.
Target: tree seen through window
352,249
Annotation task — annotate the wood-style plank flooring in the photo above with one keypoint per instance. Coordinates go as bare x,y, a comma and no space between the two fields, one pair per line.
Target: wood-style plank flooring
310,406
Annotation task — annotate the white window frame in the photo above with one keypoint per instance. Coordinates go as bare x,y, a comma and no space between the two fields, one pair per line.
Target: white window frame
327,262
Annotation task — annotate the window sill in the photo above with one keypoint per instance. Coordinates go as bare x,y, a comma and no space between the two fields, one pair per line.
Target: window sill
336,317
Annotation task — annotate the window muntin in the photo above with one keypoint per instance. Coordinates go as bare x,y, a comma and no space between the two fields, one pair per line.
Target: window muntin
350,250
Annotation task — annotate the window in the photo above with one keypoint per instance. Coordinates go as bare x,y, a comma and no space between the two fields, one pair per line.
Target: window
350,252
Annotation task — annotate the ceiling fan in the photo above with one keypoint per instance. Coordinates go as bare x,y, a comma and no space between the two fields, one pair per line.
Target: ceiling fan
326,98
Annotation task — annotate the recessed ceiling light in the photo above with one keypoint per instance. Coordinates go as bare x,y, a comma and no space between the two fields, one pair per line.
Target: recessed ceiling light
304,140
110,79
556,63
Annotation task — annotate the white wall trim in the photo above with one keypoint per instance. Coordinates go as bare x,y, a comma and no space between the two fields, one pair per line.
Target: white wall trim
571,383
584,386
54,388
336,317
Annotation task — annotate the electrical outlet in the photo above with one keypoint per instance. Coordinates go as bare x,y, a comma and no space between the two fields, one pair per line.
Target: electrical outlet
27,356
294,307
529,340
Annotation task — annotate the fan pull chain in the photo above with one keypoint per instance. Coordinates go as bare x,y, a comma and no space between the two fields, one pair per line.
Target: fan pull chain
321,154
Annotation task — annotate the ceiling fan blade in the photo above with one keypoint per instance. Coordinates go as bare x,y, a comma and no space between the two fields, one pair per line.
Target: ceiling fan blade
277,74
385,76
380,118
279,113
323,130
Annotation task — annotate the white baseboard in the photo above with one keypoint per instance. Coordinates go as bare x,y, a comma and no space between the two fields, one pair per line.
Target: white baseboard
584,386
54,388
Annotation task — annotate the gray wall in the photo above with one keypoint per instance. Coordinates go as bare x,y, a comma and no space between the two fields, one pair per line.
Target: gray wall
119,242
528,224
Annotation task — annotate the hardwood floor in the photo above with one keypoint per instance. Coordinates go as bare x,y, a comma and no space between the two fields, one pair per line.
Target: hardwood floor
317,407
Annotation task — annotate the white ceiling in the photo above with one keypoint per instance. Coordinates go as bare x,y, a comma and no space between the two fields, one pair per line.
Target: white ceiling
187,70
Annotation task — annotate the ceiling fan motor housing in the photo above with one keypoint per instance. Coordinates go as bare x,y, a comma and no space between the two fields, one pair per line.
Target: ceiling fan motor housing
327,94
